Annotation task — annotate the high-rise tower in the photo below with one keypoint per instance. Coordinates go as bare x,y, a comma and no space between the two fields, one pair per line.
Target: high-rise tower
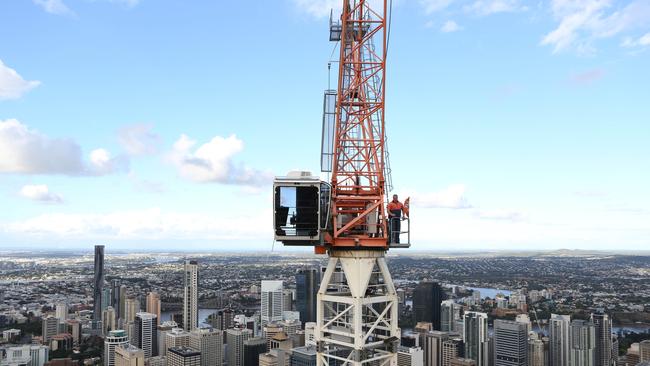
559,339
98,283
582,345
114,339
603,325
146,335
475,337
236,338
307,282
427,298
191,296
510,343
537,353
210,343
271,302
449,316
153,304
115,297
62,311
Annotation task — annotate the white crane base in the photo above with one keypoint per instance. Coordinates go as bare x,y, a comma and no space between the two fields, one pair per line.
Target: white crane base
357,311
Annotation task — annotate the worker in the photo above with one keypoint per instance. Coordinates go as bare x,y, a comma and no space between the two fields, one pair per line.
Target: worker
395,210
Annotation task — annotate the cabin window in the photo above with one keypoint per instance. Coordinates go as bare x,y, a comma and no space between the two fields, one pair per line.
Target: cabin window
296,211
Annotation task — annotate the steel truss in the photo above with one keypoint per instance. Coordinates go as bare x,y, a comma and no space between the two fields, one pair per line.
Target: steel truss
357,311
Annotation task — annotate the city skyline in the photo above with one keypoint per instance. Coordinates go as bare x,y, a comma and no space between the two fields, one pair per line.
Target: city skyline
539,149
508,318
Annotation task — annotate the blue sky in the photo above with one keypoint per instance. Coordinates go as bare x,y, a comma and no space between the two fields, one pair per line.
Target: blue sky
158,124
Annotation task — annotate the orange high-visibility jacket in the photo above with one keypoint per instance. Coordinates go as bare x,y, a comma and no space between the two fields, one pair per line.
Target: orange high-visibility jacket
392,206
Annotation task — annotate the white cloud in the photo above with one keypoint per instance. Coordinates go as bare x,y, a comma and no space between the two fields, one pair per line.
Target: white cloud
213,162
507,215
581,22
40,193
488,7
54,6
643,41
139,139
432,6
450,26
450,197
144,224
102,163
26,151
12,85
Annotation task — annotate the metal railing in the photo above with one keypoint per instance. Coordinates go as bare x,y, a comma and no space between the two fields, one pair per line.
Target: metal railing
404,228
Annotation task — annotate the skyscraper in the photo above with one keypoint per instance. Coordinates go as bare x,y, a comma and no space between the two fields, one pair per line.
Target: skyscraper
114,339
106,298
131,307
303,356
98,283
183,356
26,354
307,283
268,359
222,319
253,348
210,343
236,338
291,327
536,353
50,328
122,305
582,346
176,337
525,319
310,334
146,335
432,347
475,336
427,298
449,316
74,328
269,331
153,304
644,350
129,355
109,322
603,325
559,339
271,301
410,356
191,296
287,300
451,349
62,311
510,343
115,297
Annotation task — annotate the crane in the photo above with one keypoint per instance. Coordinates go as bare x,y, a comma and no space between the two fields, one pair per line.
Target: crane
345,217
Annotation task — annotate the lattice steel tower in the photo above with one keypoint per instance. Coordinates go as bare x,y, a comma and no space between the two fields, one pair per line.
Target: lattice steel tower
346,217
